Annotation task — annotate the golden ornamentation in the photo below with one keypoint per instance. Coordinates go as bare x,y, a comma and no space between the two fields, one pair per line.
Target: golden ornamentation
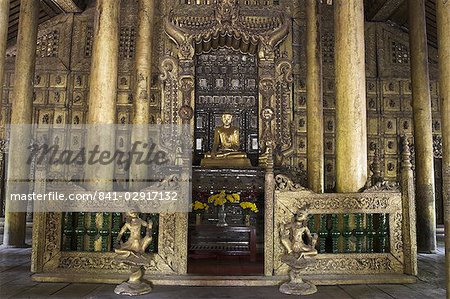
284,183
169,76
287,203
171,258
226,23
384,186
225,150
300,253
132,253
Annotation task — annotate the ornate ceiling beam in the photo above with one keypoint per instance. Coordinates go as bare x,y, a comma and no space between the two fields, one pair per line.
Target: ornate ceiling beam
66,6
382,10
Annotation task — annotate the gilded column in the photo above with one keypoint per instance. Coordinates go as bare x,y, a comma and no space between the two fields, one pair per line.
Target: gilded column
143,72
443,24
423,139
314,99
21,114
351,138
102,91
4,16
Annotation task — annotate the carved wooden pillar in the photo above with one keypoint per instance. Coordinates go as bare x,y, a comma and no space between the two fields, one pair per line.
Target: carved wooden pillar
443,23
409,212
4,17
143,72
351,137
423,139
102,92
267,92
21,114
314,98
102,102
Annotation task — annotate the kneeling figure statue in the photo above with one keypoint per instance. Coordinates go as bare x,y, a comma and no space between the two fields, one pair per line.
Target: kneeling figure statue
132,253
300,253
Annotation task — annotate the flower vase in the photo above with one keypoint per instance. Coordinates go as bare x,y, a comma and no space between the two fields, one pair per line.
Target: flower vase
222,215
247,220
198,219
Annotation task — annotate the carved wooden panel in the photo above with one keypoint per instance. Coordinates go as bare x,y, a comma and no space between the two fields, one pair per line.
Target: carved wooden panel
288,202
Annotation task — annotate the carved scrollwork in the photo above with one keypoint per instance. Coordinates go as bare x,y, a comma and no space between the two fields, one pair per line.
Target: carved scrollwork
52,236
186,86
3,146
284,71
363,264
266,88
397,239
348,202
169,77
225,23
104,262
283,183
166,247
384,186
168,68
283,75
437,146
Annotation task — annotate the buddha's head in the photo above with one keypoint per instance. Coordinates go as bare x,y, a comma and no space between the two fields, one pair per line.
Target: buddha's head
226,119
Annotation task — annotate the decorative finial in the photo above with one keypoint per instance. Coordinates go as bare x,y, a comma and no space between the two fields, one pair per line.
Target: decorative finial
376,168
406,154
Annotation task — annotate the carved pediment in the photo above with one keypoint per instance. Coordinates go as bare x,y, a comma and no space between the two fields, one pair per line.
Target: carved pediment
256,30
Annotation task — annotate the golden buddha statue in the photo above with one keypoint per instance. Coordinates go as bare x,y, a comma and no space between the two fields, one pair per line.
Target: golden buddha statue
225,150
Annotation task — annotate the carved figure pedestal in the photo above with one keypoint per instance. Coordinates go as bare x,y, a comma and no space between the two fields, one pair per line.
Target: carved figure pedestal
296,285
135,285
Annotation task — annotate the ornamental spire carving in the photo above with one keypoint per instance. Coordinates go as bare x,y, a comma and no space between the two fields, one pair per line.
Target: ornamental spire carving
255,31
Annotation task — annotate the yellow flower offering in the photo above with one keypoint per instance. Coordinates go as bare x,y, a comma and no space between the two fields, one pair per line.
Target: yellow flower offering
197,205
250,206
222,198
233,198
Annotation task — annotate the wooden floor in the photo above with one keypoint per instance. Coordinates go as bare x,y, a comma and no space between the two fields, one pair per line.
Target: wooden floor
15,282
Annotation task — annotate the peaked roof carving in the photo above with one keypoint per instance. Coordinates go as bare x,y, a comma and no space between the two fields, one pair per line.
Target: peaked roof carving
226,24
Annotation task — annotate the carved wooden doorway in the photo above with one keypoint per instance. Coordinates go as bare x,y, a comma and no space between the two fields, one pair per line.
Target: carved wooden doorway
203,32
226,82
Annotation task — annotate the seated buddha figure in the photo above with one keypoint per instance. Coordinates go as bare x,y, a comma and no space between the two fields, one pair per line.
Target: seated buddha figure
225,150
